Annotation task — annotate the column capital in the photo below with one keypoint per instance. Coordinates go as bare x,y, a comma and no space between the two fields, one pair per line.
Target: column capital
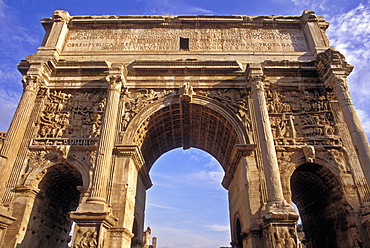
116,77
254,76
32,83
115,82
258,84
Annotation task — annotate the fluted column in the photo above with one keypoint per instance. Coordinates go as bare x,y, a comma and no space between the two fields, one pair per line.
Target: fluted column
18,127
357,133
266,140
106,141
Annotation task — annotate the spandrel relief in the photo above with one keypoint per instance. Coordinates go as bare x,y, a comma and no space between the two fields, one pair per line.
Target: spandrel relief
136,100
70,119
235,100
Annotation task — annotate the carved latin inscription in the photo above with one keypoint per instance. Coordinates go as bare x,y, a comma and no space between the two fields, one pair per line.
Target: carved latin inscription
233,39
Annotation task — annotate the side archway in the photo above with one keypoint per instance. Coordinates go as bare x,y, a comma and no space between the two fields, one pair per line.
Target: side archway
328,220
49,224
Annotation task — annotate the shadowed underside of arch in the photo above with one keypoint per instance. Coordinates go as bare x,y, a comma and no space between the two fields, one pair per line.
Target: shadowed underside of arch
188,125
325,214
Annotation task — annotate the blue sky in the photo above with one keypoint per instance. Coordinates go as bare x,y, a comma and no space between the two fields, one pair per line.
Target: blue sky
186,205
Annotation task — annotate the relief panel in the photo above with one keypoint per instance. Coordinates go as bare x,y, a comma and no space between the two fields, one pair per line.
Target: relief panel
70,118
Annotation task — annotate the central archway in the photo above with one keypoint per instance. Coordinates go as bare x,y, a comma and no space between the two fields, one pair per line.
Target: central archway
204,123
171,123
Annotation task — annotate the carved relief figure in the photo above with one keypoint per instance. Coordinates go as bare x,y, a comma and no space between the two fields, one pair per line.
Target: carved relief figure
88,239
71,115
137,100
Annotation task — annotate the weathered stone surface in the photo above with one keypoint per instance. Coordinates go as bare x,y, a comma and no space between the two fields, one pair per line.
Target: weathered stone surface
105,96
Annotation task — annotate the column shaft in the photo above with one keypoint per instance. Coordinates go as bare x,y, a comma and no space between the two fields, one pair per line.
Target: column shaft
17,129
266,141
358,135
105,145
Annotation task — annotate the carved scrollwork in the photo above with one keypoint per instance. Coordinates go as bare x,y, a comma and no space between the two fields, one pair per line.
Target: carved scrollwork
84,157
36,159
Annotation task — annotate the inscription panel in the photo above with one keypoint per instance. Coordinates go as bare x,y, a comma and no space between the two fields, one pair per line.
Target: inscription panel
160,39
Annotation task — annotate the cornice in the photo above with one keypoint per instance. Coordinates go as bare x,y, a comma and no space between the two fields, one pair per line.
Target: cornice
292,21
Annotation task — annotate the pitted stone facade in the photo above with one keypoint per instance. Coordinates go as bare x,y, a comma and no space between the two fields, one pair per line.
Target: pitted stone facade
105,96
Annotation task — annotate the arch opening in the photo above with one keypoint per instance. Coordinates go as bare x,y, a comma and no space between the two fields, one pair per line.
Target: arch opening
187,203
49,224
187,125
327,218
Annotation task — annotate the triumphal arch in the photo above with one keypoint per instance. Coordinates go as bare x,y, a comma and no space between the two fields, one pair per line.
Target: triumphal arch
105,96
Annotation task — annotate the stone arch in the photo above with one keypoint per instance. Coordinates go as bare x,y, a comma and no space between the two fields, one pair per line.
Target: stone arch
328,219
49,224
35,176
139,128
287,168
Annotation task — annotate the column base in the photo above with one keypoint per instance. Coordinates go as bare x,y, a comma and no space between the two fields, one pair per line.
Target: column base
5,221
280,210
122,238
93,222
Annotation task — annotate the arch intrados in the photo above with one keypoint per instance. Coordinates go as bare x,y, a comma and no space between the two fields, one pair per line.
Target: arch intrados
38,174
148,111
194,135
333,168
312,168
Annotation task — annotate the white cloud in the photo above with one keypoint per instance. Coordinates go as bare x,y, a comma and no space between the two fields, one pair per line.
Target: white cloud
219,228
213,163
349,33
164,207
310,4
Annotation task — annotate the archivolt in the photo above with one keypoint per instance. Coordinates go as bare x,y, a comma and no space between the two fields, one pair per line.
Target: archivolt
204,123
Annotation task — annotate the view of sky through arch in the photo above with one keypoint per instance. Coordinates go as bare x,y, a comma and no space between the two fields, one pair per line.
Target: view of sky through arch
187,206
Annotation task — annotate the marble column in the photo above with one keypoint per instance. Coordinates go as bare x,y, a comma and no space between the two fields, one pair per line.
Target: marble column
17,128
12,143
357,133
276,204
105,148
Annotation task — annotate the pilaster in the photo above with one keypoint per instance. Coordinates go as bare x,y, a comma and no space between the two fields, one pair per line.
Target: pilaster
129,168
